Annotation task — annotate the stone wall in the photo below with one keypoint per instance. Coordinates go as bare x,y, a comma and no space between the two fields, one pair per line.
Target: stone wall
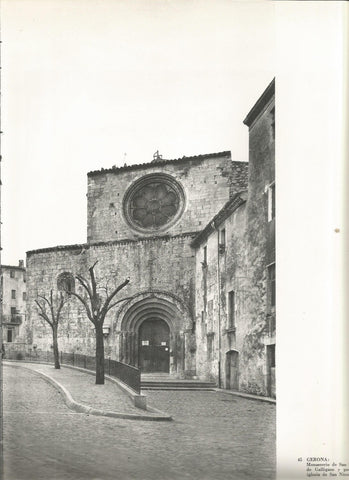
212,176
225,271
236,356
162,265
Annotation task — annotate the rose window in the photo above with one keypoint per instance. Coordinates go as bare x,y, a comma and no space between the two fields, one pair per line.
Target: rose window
153,202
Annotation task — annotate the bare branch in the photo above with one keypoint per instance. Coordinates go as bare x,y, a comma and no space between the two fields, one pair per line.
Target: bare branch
87,308
84,283
119,301
111,296
44,298
43,313
61,304
93,279
51,306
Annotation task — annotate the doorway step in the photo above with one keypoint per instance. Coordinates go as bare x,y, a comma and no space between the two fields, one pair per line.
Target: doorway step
166,382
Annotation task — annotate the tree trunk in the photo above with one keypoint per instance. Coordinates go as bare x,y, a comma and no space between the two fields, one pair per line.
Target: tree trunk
99,355
55,346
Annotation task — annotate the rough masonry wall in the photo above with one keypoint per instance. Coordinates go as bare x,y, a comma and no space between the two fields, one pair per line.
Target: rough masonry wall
162,264
259,244
213,178
225,271
242,268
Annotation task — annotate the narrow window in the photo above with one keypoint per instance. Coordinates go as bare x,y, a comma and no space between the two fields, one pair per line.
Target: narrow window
24,277
24,296
271,202
210,347
205,257
12,273
272,284
222,241
272,115
9,335
13,294
272,356
13,310
231,309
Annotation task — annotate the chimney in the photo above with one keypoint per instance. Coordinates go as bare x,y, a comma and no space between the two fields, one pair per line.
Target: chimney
21,263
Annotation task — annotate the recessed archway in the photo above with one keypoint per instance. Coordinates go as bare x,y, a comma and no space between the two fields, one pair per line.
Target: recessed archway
168,310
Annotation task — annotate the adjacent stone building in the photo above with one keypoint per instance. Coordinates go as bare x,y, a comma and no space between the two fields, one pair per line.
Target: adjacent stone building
13,291
235,272
187,233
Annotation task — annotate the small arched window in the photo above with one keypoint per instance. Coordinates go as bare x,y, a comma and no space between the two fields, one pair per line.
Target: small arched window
66,282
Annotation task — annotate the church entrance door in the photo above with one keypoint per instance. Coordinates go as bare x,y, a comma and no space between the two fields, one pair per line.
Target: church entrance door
154,346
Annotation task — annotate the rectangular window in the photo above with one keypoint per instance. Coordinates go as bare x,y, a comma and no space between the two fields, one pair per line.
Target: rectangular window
231,309
272,284
271,202
9,335
13,310
13,294
24,296
24,277
222,241
210,346
271,352
12,273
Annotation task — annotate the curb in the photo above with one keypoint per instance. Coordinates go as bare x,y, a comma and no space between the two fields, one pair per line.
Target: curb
248,396
78,407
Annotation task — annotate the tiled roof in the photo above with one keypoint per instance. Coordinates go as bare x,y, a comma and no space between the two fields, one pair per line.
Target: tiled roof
159,163
231,205
13,267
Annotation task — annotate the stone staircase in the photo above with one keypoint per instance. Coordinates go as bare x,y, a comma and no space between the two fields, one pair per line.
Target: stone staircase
166,382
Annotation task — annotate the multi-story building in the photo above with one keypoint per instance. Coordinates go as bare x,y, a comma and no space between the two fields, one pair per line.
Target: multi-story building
14,299
196,238
235,272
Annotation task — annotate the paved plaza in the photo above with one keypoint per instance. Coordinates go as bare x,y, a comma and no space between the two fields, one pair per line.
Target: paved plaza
212,436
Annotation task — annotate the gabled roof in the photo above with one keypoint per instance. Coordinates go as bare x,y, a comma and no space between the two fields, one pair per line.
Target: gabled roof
266,96
231,205
159,163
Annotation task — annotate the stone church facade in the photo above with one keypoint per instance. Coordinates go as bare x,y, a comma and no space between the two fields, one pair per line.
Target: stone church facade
153,222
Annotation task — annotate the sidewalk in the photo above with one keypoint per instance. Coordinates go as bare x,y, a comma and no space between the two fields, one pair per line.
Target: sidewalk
81,394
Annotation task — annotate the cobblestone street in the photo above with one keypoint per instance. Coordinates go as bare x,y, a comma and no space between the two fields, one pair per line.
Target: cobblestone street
213,436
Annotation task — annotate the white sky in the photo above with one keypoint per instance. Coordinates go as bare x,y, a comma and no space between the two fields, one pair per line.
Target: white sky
90,84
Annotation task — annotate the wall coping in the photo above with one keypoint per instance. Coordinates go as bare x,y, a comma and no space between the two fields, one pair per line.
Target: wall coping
161,162
87,246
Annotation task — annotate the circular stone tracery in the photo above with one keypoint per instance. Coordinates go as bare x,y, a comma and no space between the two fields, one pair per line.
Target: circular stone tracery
153,202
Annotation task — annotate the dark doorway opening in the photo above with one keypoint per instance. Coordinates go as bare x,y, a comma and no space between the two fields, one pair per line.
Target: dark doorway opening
232,370
154,346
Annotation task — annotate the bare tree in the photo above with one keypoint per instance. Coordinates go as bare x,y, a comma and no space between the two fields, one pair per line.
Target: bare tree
52,318
97,308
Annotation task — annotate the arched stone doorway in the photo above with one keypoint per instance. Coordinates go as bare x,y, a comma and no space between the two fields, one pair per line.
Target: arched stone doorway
153,346
174,326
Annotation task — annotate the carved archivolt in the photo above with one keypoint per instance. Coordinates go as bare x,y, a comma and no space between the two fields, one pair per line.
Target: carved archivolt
161,305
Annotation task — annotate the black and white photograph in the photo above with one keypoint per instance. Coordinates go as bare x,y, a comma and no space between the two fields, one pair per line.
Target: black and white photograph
174,242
